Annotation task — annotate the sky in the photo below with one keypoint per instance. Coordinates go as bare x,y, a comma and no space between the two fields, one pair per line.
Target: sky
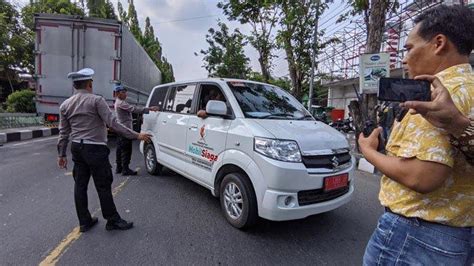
181,26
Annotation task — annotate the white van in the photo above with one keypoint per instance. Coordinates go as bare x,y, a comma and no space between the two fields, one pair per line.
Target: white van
258,149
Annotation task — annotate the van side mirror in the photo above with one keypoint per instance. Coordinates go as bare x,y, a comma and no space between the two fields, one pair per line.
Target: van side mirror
218,108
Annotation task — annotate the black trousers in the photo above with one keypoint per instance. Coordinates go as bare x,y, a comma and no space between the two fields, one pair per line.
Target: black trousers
92,160
123,153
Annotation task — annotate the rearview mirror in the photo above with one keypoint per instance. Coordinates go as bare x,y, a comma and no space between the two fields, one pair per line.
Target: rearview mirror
216,108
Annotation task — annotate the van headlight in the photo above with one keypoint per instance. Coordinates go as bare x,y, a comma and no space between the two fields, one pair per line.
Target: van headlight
282,150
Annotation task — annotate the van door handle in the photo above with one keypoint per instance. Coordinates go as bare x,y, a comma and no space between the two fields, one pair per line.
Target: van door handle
164,122
193,127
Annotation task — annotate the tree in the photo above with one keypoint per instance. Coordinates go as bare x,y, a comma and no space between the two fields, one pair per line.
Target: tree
133,21
282,82
122,14
101,9
65,7
225,56
13,43
375,13
152,46
147,40
42,6
167,74
261,15
295,38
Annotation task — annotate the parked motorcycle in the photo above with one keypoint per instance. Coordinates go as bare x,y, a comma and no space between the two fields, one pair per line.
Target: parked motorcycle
343,125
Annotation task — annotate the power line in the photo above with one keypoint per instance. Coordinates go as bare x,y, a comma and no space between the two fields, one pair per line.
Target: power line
187,19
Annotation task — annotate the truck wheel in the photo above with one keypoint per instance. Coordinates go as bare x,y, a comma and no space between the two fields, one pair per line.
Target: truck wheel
238,200
151,164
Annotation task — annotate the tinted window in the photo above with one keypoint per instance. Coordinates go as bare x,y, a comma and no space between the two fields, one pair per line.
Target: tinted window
209,92
180,99
265,101
158,97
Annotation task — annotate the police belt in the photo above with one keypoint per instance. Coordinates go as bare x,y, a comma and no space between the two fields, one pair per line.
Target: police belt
83,141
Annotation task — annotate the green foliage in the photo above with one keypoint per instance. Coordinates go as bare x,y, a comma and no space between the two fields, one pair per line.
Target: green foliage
133,21
296,38
21,102
261,15
225,56
14,44
66,7
282,82
167,73
101,9
122,14
147,40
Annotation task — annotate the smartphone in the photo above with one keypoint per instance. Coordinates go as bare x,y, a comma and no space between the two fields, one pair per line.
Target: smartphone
401,90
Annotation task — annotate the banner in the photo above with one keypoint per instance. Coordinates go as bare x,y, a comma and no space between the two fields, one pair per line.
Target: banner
371,68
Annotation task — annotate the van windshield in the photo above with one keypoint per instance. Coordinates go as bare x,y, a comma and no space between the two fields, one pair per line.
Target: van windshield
267,102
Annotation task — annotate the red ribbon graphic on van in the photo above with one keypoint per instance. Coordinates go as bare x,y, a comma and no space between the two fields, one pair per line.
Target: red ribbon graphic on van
202,131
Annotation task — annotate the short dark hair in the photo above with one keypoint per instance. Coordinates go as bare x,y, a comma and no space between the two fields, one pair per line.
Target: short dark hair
80,84
455,22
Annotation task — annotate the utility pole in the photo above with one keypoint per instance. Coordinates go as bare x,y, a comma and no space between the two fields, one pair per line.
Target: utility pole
313,57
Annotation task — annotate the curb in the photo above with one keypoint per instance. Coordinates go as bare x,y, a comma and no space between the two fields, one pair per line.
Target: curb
27,134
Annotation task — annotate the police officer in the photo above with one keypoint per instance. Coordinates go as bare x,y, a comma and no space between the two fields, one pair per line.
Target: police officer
124,115
83,119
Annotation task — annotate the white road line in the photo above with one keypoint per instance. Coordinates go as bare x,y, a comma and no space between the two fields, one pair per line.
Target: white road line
33,141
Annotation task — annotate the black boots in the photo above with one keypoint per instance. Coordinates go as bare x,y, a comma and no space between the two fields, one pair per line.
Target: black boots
128,171
119,224
87,227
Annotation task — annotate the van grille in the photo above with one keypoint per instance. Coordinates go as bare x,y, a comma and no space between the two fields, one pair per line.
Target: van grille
307,197
326,161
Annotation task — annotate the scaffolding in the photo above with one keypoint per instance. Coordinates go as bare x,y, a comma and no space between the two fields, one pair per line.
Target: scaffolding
340,60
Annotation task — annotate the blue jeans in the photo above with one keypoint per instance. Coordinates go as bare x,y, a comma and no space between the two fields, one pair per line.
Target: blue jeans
399,240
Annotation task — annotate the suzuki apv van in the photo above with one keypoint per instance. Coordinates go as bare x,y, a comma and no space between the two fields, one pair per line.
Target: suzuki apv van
253,145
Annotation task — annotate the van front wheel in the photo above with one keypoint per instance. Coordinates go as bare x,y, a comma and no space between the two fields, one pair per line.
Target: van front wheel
238,200
151,164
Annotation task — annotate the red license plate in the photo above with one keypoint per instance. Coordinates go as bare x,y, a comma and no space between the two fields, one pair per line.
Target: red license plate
335,182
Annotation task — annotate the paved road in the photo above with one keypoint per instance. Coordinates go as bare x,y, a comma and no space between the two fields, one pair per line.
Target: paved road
177,221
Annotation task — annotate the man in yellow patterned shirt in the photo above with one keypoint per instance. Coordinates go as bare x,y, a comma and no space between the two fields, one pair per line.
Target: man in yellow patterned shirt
428,187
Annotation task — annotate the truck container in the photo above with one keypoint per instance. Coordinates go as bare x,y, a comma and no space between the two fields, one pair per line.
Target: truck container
69,43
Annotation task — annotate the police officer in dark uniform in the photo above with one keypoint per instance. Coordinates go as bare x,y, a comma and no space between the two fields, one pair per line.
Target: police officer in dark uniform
83,120
124,112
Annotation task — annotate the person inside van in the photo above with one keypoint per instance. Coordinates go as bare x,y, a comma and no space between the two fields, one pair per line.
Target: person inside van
213,94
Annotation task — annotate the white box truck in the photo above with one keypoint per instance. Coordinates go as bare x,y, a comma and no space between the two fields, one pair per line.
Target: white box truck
69,43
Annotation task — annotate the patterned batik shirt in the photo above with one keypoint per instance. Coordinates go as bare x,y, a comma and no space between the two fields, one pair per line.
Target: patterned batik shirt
465,142
414,137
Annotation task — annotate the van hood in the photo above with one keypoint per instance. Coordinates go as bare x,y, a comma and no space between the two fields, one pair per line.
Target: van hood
311,136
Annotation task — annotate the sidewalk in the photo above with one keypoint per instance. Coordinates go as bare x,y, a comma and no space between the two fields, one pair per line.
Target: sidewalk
24,133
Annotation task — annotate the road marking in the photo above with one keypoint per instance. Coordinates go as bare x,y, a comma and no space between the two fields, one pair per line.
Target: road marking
34,141
54,256
68,173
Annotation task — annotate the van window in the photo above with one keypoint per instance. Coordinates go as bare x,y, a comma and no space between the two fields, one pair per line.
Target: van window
209,92
265,101
180,99
158,97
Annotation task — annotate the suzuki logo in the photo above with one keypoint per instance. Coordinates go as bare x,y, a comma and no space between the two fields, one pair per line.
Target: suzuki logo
335,162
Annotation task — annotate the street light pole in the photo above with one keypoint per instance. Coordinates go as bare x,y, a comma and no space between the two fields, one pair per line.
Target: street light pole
313,58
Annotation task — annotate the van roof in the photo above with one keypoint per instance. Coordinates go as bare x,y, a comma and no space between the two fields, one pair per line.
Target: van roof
212,79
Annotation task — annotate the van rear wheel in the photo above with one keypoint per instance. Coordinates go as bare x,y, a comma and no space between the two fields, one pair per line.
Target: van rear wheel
151,164
238,200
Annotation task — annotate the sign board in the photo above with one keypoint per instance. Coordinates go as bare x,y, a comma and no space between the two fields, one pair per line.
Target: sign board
371,68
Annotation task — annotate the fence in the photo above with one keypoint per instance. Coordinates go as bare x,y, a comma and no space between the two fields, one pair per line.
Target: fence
16,120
